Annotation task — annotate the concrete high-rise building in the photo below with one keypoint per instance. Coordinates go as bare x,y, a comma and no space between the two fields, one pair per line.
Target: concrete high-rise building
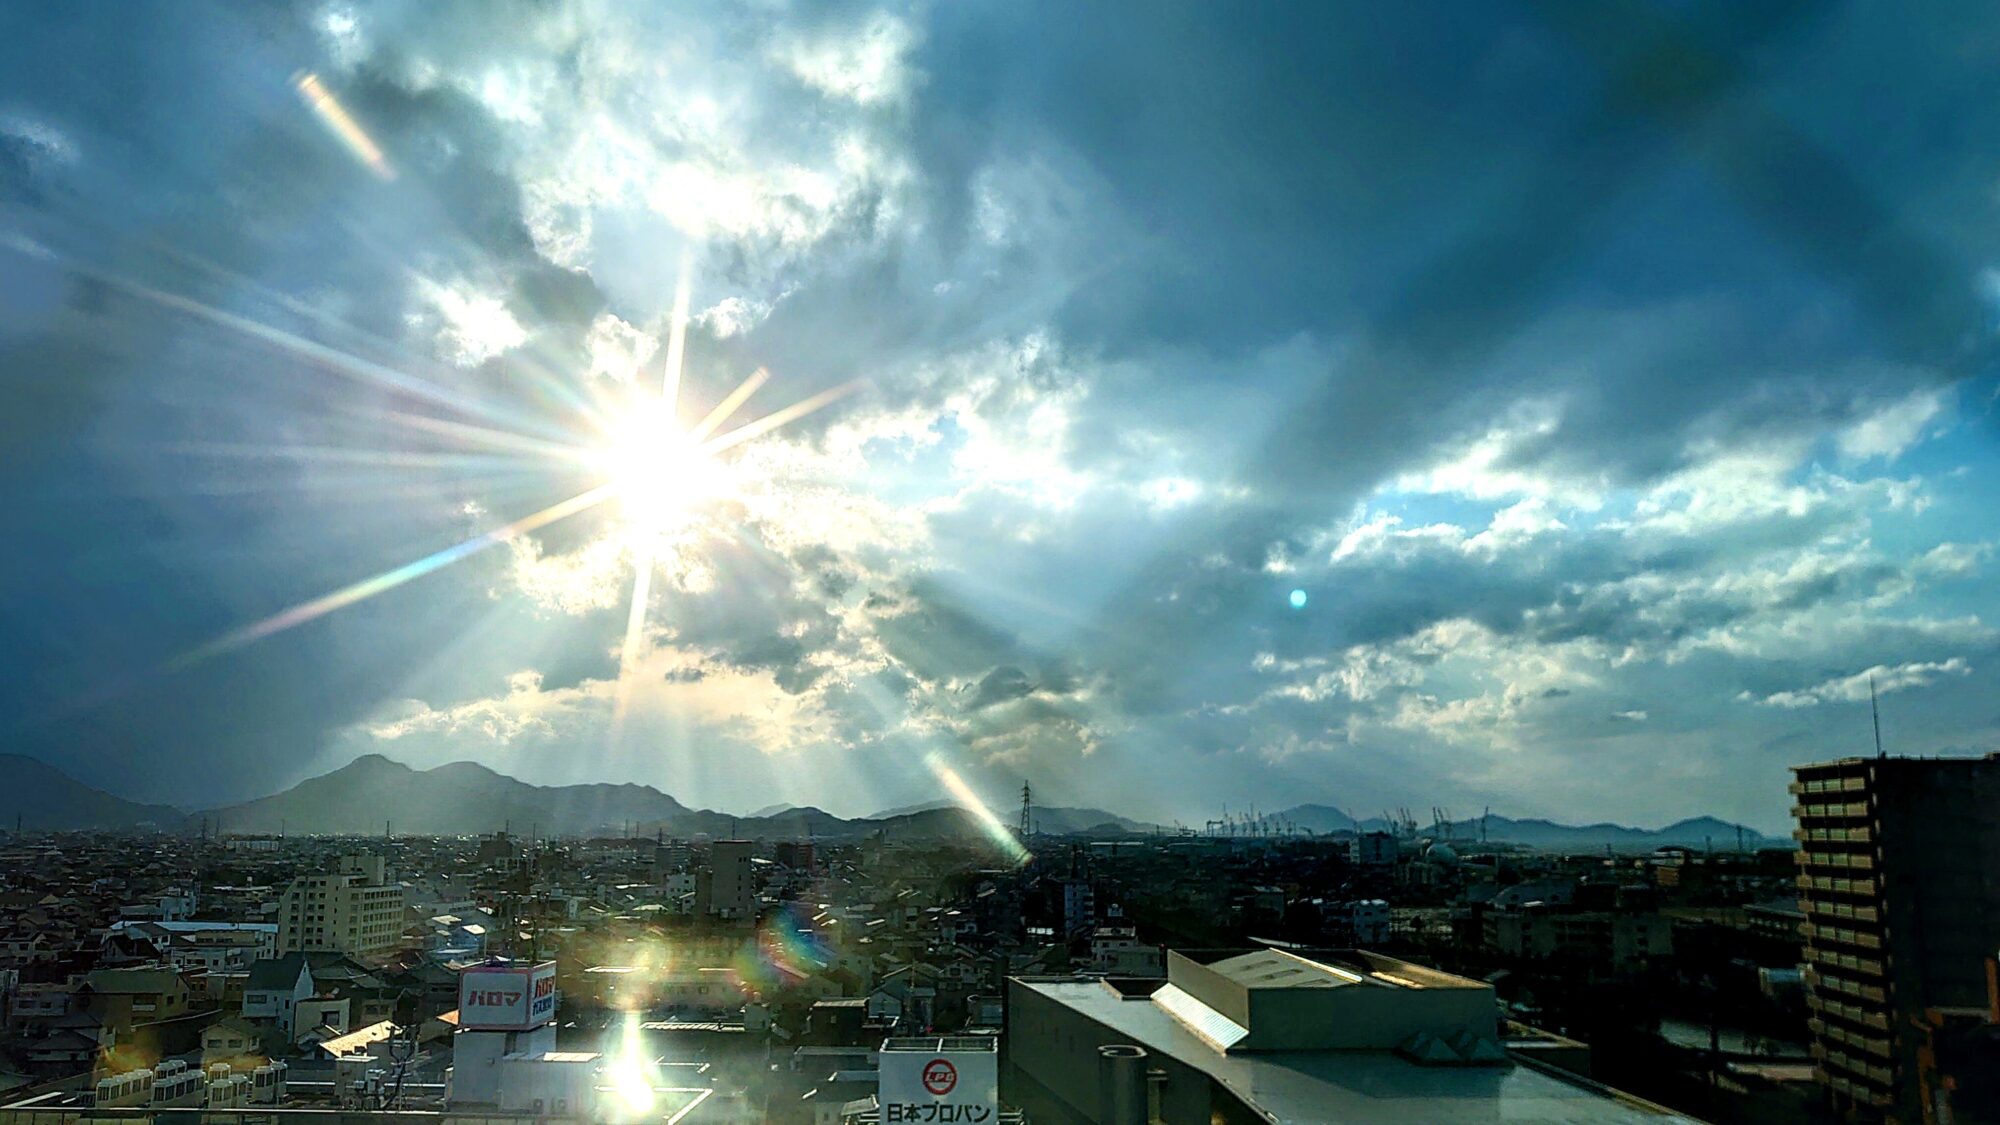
726,888
354,910
1899,882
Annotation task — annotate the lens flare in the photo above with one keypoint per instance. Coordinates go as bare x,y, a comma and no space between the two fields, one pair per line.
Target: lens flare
389,579
630,1071
342,124
970,802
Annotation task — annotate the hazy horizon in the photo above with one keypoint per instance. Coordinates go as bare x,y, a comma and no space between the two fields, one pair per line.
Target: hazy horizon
1269,406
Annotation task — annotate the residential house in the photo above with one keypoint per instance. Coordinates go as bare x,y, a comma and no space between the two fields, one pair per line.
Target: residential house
123,998
232,1040
275,989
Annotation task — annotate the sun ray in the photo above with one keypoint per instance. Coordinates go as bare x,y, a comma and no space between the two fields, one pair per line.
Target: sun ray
345,455
642,562
331,359
729,404
670,383
498,439
389,579
635,636
777,418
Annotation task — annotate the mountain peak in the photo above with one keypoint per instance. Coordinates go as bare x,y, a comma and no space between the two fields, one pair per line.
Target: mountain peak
369,763
466,769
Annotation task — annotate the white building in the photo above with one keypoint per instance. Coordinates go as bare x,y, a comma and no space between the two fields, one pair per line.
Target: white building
354,910
275,990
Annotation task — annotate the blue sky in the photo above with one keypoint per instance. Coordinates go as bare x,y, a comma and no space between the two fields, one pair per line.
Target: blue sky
1616,380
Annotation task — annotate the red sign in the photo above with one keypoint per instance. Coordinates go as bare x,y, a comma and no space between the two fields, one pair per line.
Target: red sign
940,1076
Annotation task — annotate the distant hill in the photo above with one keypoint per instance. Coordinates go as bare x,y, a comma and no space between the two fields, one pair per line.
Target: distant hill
906,810
1538,833
465,798
460,798
1054,820
39,796
1320,818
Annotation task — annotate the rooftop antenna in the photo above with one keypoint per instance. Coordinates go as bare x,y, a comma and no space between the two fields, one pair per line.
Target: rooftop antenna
1875,713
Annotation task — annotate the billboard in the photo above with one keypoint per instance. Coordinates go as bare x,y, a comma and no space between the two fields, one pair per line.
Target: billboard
506,997
941,1082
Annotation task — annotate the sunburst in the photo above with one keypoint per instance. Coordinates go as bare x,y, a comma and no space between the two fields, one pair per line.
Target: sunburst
660,475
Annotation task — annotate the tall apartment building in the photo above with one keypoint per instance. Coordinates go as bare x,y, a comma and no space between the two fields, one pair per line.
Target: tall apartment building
727,887
1899,882
354,910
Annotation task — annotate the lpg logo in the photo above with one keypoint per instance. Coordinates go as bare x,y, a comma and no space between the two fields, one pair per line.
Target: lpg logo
939,1077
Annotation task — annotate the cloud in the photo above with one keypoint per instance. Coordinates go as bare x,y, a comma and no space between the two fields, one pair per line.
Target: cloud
471,327
1893,429
1575,436
1882,679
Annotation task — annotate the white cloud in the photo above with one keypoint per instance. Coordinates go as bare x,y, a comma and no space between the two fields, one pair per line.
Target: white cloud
1484,468
617,350
470,327
866,65
1855,688
1893,429
732,316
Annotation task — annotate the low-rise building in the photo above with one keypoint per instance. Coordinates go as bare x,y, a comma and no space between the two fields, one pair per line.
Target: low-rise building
1272,1035
123,998
1613,940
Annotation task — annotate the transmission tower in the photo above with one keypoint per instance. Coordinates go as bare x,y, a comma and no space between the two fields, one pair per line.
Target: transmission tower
1027,811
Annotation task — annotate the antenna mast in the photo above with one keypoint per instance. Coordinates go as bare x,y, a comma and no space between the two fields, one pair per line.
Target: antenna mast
1875,713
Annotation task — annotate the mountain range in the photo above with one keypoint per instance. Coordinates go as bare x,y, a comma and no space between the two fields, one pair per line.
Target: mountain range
38,795
374,794
1534,832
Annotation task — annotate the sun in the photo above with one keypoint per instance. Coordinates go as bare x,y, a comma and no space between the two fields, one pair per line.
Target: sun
659,473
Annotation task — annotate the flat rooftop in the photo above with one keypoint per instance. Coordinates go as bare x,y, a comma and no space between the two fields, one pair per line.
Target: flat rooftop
939,1044
1374,1086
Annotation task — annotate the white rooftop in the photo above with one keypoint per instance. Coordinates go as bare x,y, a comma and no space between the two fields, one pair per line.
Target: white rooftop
1374,1086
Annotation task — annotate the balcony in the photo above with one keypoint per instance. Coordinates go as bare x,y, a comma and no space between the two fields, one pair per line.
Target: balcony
1847,961
1848,861
1829,811
1838,935
1837,885
1841,910
1816,834
1827,785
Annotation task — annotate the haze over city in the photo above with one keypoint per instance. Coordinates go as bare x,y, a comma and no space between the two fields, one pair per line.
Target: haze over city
1226,408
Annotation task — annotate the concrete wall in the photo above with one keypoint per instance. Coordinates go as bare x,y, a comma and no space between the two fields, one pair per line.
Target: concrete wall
1055,1047
1363,1017
1209,986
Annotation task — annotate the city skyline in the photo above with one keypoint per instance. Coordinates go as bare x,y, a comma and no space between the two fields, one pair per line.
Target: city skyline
1304,407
